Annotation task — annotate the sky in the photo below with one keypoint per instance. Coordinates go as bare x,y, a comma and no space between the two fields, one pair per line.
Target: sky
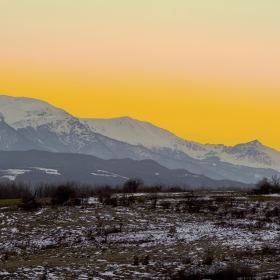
208,71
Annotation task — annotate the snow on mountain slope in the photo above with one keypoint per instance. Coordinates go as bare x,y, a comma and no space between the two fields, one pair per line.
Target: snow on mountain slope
10,139
48,127
252,154
21,111
134,132
54,129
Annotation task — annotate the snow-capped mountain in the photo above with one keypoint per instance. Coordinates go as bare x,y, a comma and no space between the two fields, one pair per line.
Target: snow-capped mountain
134,132
126,129
10,139
23,112
50,128
27,123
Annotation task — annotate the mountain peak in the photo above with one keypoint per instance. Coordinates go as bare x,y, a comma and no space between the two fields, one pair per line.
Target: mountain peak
18,109
53,129
255,142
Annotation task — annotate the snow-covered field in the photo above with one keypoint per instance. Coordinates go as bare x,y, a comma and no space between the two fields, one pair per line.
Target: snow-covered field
47,170
104,173
11,174
96,241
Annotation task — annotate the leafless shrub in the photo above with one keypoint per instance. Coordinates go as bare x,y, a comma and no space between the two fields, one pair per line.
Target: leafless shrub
259,223
172,230
165,204
228,273
184,275
131,185
135,260
272,213
145,260
231,273
213,208
103,192
126,200
62,194
43,277
28,201
113,201
154,198
238,214
267,250
266,185
208,257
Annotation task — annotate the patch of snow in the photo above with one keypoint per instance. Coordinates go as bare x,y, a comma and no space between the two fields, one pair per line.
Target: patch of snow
47,170
108,273
104,173
13,173
10,177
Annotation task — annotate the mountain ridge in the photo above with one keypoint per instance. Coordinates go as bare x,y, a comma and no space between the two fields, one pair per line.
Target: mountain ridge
35,166
55,130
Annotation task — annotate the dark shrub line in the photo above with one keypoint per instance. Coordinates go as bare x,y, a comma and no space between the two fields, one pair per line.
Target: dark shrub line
267,186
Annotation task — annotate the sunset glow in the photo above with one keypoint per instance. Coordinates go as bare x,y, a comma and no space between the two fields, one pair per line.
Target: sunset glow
208,71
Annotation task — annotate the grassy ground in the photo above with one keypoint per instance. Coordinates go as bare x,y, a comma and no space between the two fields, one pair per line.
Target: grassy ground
9,202
96,241
263,198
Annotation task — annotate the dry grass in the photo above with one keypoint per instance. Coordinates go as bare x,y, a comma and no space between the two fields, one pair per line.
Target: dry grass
9,202
95,241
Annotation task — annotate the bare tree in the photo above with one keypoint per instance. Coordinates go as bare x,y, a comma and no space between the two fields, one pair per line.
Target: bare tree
131,185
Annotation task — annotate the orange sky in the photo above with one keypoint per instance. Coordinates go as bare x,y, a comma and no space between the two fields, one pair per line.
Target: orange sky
207,72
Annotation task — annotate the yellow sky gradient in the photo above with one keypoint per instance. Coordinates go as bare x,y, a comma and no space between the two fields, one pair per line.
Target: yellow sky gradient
206,72
204,111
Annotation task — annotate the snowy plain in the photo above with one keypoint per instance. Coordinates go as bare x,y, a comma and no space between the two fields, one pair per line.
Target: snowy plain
97,241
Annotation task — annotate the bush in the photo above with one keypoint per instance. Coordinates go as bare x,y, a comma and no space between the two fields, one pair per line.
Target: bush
266,185
62,194
187,276
28,201
111,201
12,189
126,200
166,204
131,185
229,273
103,193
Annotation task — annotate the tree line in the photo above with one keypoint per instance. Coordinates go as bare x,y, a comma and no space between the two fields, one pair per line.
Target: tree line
267,185
17,189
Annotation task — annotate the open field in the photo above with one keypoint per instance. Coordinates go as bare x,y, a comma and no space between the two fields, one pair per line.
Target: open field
9,202
153,236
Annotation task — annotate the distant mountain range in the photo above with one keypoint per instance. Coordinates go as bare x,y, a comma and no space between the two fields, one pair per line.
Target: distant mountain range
27,124
37,166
